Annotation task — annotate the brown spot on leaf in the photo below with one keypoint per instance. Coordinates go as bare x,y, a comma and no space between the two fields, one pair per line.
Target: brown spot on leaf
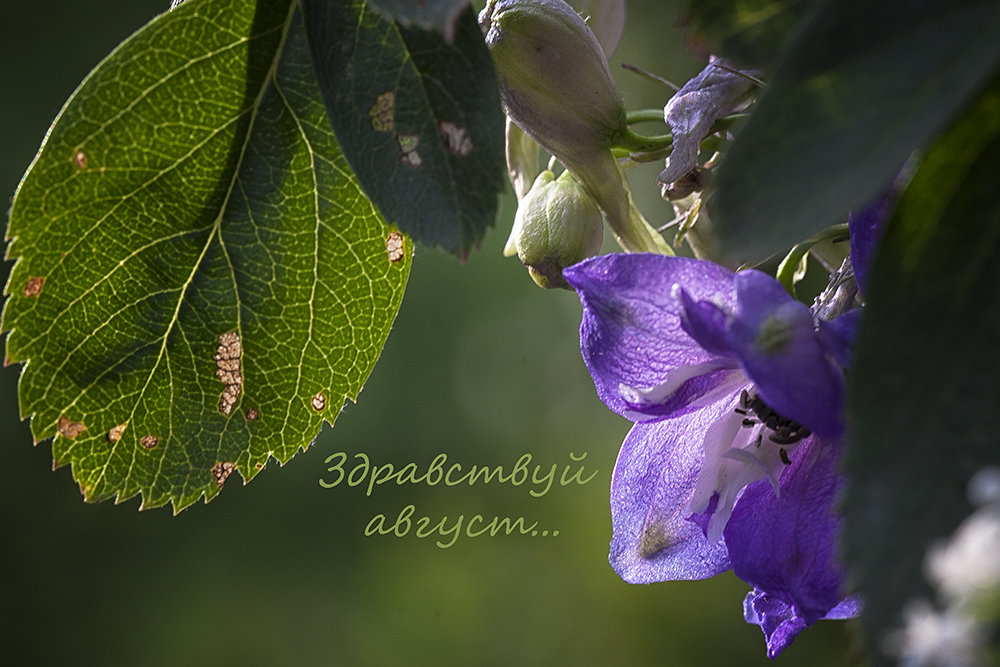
258,466
408,154
319,401
227,369
80,160
395,246
115,434
149,441
69,428
33,287
381,112
222,470
252,414
456,138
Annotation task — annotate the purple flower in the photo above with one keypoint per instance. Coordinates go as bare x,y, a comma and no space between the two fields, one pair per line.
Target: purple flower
736,392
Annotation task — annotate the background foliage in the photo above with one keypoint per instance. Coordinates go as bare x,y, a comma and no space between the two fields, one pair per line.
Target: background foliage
481,365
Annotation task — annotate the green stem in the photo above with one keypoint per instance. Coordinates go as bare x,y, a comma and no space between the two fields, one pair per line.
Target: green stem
633,142
644,116
638,143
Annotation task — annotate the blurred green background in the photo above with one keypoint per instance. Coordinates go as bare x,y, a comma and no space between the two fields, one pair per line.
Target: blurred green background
481,366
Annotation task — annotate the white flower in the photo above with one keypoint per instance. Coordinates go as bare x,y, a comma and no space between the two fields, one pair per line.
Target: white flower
968,565
931,638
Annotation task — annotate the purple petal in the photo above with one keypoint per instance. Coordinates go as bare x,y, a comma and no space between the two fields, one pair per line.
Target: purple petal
688,388
850,607
654,478
776,342
836,336
631,333
706,323
778,621
717,91
785,545
865,227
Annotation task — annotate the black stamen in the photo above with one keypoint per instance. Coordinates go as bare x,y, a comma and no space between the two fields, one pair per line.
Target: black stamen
784,430
784,457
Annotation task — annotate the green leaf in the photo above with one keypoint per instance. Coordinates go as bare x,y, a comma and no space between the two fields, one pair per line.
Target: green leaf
924,392
200,281
750,32
439,15
861,87
419,119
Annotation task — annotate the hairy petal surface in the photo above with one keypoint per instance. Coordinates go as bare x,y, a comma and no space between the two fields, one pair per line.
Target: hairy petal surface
651,488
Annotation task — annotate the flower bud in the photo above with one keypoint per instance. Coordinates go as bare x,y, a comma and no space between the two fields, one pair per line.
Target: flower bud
556,225
556,85
554,79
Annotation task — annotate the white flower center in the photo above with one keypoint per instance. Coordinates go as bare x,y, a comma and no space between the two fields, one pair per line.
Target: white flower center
739,449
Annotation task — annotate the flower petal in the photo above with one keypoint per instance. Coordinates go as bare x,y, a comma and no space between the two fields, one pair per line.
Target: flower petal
785,546
651,488
706,323
778,620
717,91
776,342
865,227
685,388
631,332
836,336
731,461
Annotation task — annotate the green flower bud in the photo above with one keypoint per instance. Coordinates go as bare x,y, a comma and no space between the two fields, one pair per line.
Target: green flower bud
556,225
606,18
556,85
554,79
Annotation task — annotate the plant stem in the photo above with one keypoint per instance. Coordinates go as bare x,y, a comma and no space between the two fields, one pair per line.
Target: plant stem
638,143
644,116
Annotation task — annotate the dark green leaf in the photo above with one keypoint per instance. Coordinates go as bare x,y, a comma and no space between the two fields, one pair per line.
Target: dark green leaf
862,86
749,32
437,15
191,224
419,119
924,392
